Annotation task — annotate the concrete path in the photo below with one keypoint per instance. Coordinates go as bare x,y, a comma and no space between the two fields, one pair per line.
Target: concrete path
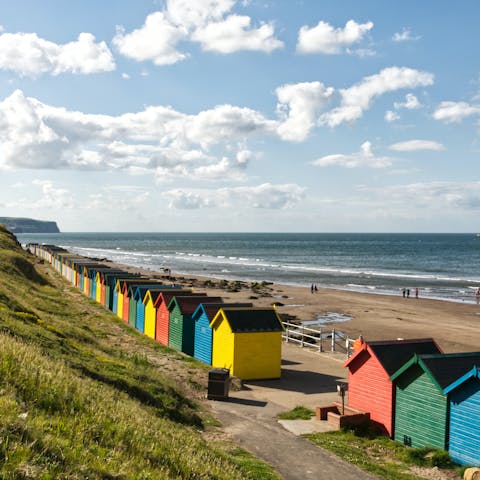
250,417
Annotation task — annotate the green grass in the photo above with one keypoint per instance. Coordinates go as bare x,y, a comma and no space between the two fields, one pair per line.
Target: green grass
298,413
379,455
82,395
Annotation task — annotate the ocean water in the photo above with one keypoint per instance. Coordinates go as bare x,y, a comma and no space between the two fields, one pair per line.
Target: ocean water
444,266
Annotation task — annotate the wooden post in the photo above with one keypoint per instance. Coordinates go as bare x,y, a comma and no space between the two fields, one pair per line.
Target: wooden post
333,340
303,333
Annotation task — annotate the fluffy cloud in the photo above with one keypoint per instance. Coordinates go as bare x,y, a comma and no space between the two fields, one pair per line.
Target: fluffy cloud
156,40
234,34
455,112
265,196
299,106
364,158
203,21
417,145
391,116
159,139
357,99
405,36
411,102
325,39
29,55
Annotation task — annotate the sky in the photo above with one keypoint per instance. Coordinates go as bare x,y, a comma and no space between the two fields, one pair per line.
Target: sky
241,115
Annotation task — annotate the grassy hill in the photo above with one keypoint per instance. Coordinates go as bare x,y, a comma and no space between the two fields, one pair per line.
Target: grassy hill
82,395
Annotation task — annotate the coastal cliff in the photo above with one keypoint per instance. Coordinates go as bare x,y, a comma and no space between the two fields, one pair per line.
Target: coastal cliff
29,225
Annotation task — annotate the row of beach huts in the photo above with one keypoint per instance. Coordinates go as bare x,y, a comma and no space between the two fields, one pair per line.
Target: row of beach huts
234,336
413,392
419,395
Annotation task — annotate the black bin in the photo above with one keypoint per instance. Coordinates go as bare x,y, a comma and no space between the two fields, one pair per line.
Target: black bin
218,384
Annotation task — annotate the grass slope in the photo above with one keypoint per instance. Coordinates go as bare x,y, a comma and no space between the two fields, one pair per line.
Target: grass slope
84,396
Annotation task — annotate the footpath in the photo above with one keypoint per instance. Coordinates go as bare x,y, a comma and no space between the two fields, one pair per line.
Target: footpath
250,417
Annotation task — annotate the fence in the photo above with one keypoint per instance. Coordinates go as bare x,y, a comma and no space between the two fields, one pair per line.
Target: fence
320,340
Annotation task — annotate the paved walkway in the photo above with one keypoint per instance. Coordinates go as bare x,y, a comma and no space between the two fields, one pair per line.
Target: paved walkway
249,417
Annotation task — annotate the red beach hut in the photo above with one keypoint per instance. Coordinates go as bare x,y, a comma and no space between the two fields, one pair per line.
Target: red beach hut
163,313
369,369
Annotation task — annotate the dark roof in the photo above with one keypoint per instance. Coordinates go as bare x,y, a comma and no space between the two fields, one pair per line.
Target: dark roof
142,290
169,294
447,368
188,304
210,309
392,354
243,320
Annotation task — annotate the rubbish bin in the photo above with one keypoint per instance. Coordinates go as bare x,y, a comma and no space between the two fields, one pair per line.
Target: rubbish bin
218,384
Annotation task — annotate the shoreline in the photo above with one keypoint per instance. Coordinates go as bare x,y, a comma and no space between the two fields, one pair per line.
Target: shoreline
454,325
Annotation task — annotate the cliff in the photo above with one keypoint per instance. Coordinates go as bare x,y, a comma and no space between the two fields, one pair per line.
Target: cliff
29,225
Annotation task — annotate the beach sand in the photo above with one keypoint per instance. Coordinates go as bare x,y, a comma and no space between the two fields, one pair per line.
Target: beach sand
455,326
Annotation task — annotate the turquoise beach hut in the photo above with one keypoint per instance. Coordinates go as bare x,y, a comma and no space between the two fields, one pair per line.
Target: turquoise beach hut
464,426
203,337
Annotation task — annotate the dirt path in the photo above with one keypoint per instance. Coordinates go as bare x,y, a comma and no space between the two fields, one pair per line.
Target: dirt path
249,417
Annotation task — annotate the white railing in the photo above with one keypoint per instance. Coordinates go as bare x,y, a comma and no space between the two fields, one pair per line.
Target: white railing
318,339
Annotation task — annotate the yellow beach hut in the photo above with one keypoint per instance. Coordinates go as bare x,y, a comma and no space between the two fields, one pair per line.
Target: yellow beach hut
248,342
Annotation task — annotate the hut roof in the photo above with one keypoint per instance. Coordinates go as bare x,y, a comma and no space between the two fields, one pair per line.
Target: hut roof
188,304
442,368
393,354
210,309
243,320
180,292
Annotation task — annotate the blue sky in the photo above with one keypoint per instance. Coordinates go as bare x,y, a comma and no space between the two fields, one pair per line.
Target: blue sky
224,115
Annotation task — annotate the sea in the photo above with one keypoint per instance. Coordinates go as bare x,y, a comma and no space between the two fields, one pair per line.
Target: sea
441,266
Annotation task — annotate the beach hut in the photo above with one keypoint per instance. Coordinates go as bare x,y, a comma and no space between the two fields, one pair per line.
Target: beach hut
369,369
203,337
110,280
163,313
149,301
464,426
422,406
182,327
130,299
248,342
126,293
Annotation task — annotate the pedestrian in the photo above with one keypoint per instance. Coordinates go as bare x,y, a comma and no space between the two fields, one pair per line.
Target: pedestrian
416,292
408,293
311,288
477,295
404,291
315,287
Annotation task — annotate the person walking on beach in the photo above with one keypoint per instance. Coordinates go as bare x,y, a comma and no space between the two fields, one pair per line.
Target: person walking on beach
403,291
416,292
311,288
477,295
408,293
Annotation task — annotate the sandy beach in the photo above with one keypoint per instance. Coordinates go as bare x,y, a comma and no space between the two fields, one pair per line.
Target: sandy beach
455,326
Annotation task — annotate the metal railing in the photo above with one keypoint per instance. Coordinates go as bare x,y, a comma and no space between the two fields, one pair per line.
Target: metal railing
321,340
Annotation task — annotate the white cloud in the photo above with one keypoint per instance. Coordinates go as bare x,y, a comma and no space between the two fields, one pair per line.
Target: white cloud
203,21
391,116
28,55
159,139
411,102
156,40
405,36
417,145
264,196
455,112
125,76
299,106
357,99
440,196
234,34
364,158
53,198
325,39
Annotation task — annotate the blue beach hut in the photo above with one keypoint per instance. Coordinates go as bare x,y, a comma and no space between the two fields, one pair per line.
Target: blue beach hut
464,426
203,338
